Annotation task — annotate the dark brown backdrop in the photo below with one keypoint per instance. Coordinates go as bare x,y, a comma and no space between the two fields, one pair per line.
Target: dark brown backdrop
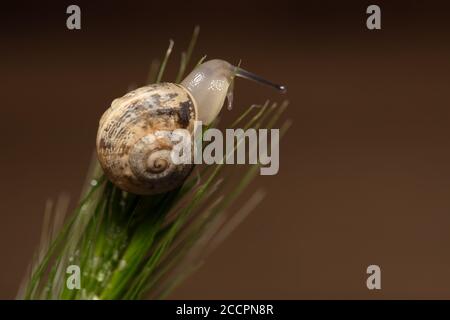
364,176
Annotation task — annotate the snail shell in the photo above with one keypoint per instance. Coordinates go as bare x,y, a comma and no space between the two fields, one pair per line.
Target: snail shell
136,134
134,138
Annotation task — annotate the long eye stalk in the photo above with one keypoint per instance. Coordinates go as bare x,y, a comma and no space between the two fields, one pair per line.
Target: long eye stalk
251,76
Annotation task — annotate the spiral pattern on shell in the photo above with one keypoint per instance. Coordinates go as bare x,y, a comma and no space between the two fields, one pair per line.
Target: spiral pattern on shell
135,141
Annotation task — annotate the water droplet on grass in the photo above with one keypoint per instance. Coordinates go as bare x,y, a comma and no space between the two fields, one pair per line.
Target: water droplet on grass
100,276
122,264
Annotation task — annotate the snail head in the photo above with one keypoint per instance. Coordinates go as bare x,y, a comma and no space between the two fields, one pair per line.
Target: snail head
211,83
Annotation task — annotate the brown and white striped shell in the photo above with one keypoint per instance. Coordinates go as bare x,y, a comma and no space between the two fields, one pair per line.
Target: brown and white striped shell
133,139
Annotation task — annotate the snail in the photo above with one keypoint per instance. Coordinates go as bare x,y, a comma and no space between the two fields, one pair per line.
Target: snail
134,136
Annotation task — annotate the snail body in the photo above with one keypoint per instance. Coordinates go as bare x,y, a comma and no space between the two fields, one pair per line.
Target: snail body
135,140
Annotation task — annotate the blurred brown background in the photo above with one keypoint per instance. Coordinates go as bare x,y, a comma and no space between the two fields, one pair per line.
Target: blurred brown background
364,175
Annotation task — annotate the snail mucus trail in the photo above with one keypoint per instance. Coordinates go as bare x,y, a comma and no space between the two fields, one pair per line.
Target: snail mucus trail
135,140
